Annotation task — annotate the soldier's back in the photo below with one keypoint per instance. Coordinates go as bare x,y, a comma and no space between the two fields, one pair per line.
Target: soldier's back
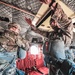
7,41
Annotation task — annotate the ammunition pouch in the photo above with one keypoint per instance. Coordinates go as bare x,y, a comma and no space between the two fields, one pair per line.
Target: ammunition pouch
46,48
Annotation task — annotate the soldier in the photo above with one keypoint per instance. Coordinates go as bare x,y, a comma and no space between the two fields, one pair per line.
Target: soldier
11,44
60,39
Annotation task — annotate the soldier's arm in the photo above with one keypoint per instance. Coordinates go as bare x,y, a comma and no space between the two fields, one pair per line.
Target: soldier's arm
62,19
36,30
40,31
24,44
64,23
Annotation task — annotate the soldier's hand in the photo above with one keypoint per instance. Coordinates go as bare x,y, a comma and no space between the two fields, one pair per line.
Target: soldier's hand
20,43
28,20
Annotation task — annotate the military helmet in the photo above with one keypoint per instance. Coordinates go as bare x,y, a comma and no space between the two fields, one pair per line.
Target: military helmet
16,25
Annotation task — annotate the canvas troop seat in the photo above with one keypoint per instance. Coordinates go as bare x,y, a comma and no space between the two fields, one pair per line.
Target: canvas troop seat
32,64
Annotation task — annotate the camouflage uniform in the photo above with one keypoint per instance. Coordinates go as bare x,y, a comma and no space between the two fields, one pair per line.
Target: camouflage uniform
65,23
65,33
10,42
62,38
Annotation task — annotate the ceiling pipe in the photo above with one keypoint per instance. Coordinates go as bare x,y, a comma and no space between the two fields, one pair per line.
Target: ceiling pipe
17,8
44,17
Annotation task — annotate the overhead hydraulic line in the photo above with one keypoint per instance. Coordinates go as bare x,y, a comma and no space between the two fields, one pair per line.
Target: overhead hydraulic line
17,8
